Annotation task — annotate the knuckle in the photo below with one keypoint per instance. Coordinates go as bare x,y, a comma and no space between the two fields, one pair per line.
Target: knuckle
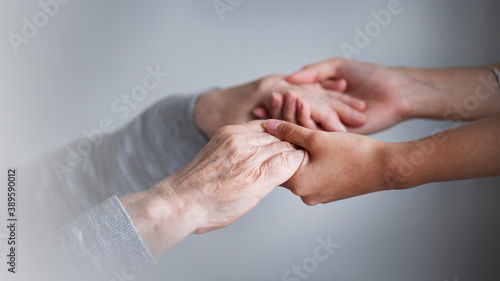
232,143
225,131
269,82
286,160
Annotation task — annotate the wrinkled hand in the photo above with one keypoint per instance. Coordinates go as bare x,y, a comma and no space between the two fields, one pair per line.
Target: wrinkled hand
237,168
378,86
336,166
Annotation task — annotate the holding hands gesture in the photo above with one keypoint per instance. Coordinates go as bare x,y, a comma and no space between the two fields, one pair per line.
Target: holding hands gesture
379,87
343,165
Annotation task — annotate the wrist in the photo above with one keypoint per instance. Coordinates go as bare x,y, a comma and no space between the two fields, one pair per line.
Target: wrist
382,158
230,106
207,112
409,86
161,217
403,164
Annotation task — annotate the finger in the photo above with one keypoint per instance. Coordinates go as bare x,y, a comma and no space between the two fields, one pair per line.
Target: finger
290,107
304,117
289,132
254,125
260,139
272,149
276,105
317,72
339,85
280,168
356,103
261,113
329,120
347,114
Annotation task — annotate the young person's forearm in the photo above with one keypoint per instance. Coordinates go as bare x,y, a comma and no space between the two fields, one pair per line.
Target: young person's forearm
451,94
468,151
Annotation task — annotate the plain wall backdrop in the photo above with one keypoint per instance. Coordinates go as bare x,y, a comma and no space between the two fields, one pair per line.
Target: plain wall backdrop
64,79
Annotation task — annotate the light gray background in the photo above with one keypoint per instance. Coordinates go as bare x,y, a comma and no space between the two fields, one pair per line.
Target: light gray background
91,52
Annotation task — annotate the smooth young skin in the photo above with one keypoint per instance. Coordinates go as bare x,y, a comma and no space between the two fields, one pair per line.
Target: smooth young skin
395,94
339,166
239,166
343,165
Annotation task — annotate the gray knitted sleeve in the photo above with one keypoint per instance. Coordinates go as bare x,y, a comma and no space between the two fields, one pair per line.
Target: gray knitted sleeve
91,235
101,244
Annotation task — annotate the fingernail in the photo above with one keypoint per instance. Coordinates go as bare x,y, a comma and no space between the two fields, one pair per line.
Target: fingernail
272,124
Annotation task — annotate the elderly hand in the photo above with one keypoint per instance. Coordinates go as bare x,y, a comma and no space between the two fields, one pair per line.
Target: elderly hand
325,109
237,168
336,166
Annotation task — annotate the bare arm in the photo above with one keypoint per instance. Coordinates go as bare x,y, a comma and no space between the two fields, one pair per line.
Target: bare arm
469,151
452,94
342,165
395,94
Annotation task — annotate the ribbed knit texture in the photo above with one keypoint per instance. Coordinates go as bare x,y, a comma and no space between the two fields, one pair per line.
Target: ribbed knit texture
91,236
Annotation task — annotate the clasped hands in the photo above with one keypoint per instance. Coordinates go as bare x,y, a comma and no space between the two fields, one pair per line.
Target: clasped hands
317,149
315,158
326,100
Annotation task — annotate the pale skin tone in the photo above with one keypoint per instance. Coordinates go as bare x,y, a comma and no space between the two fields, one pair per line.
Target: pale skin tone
326,109
239,166
242,164
343,165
